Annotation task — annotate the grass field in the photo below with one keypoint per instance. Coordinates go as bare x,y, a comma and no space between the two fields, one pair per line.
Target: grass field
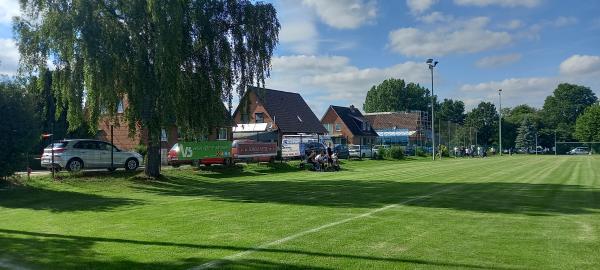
498,213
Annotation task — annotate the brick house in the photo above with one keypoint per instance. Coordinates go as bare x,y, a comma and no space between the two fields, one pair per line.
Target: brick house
170,135
285,113
405,128
348,125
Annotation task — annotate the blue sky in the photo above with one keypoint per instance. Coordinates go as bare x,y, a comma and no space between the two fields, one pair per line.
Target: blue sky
333,51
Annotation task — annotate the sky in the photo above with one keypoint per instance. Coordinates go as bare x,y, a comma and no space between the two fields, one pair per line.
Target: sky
333,51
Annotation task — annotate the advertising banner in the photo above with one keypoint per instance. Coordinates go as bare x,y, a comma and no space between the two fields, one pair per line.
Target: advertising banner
207,149
245,150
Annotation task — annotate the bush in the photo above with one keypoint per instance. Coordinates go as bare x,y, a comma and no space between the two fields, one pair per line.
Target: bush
141,149
395,152
444,151
420,152
381,154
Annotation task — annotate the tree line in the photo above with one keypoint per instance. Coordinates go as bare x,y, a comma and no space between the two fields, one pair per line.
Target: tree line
571,113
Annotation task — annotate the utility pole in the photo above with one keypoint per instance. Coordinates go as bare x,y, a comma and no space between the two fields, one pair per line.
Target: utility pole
500,121
536,143
431,65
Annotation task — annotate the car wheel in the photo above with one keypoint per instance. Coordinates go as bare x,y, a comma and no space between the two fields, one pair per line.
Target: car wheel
75,165
131,164
227,162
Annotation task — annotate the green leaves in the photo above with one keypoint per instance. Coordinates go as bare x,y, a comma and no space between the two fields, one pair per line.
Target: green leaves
395,95
587,128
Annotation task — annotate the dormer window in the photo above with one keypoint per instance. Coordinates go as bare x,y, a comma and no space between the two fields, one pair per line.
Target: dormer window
259,118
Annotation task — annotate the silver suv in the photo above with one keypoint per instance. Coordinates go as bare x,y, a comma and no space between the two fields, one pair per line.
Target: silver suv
77,154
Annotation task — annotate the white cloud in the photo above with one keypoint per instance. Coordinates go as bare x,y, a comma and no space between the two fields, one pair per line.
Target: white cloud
9,9
498,60
502,3
325,80
9,56
298,32
420,6
436,17
300,35
580,65
344,14
564,21
512,24
515,91
463,36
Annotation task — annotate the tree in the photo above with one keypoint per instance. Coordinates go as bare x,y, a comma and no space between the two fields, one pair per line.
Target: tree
484,119
395,95
453,111
18,127
512,120
526,135
173,61
587,128
567,102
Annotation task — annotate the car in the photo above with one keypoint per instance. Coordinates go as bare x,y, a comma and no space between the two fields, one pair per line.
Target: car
78,154
314,146
579,151
360,151
342,151
377,147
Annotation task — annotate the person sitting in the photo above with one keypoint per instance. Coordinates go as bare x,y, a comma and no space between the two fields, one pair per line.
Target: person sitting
335,162
311,159
322,159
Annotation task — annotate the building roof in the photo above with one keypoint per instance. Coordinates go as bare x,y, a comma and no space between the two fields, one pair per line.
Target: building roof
396,120
289,111
353,119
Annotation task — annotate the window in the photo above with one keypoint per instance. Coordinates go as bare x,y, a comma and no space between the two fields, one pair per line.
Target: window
338,127
163,135
245,119
222,136
329,128
120,108
259,118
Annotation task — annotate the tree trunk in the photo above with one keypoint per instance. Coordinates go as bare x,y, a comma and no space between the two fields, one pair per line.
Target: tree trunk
153,155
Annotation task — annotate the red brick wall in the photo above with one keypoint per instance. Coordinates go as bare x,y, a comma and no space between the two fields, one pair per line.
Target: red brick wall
255,107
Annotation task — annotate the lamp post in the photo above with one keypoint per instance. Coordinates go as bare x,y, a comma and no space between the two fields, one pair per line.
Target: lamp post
431,64
500,121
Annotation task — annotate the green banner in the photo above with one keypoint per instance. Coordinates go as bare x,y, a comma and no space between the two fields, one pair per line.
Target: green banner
207,149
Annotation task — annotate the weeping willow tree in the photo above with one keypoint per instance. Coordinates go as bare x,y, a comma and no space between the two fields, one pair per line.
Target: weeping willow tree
173,61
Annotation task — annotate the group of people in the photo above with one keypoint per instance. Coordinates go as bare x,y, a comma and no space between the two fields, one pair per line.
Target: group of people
472,151
324,159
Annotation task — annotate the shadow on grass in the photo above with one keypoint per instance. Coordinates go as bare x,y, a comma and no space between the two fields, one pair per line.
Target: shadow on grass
256,169
48,251
495,197
38,198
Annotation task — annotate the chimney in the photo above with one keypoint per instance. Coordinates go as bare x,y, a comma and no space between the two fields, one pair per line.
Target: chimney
352,107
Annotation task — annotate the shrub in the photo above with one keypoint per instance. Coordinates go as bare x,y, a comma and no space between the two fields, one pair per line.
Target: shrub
420,152
141,149
382,153
395,152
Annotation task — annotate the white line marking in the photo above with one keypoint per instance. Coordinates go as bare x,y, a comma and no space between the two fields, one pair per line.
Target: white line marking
216,263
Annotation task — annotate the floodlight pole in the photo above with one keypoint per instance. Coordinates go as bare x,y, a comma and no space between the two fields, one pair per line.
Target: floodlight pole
431,65
555,149
500,121
536,143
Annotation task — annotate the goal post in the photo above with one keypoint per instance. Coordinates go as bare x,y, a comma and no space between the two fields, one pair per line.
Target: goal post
565,148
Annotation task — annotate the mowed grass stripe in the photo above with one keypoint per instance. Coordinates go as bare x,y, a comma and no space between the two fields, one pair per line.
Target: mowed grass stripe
490,173
498,216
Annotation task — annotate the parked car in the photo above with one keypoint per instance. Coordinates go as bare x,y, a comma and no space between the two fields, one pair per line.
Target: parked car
579,151
360,151
342,151
78,154
314,146
377,147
